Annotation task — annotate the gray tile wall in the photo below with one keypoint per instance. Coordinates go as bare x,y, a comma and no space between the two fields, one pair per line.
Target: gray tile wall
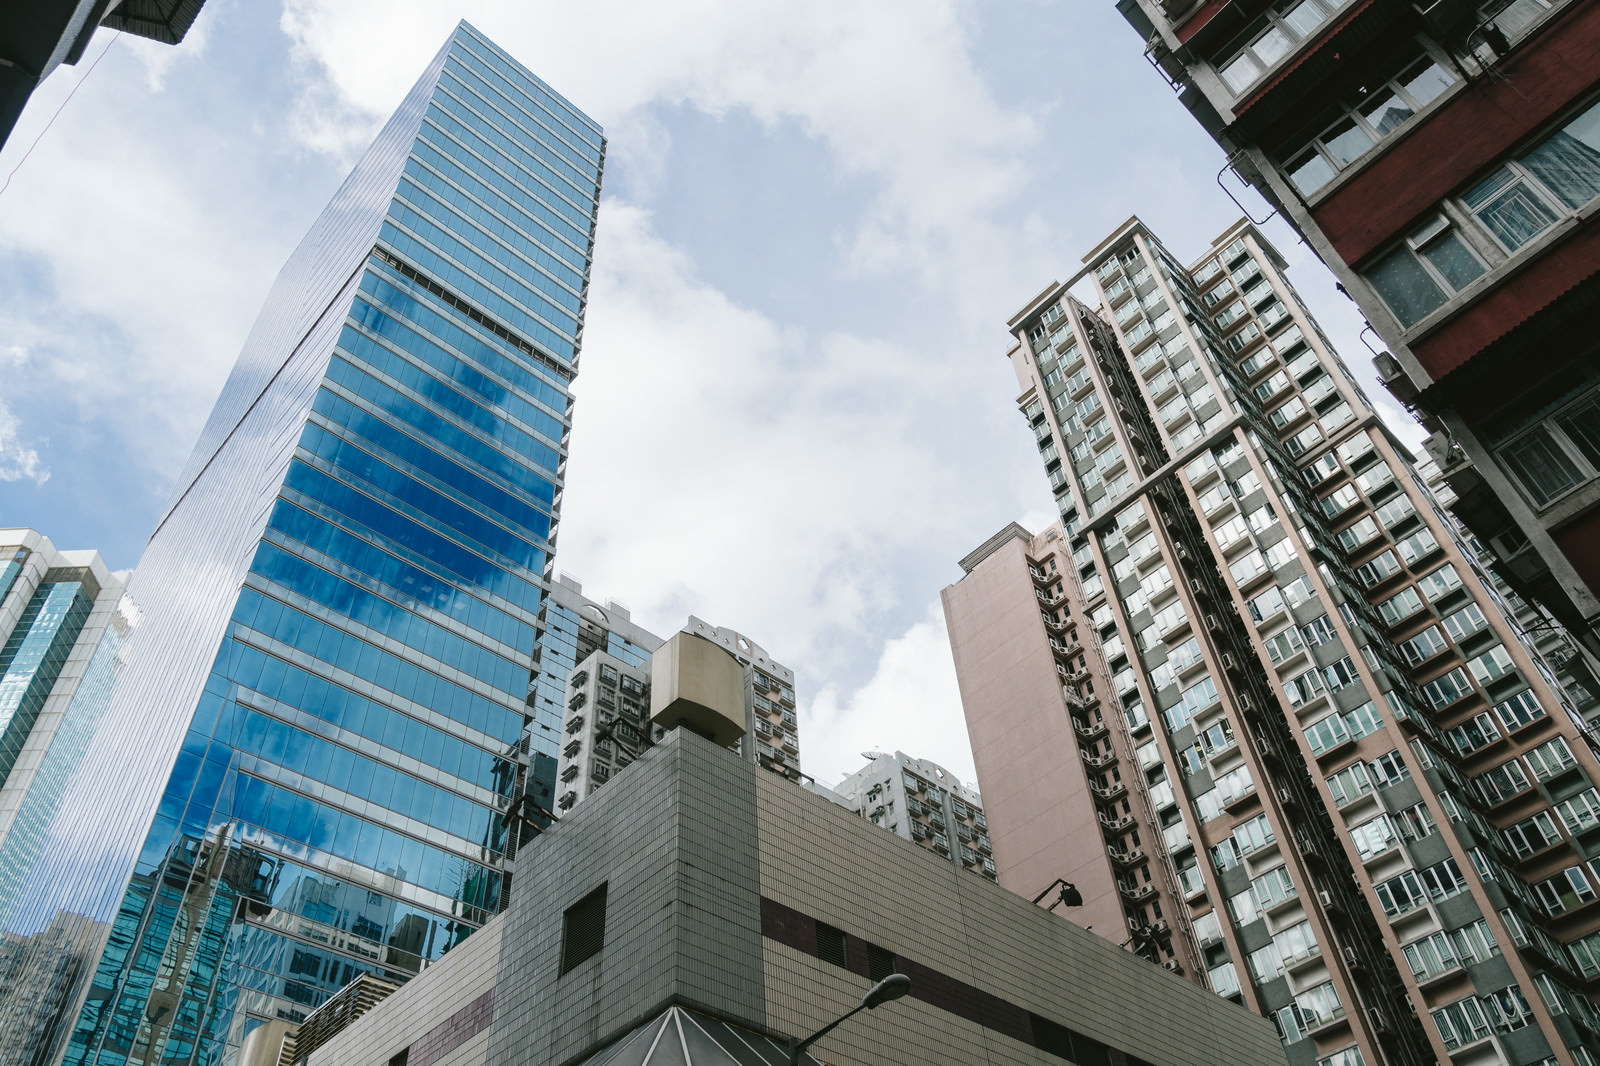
674,838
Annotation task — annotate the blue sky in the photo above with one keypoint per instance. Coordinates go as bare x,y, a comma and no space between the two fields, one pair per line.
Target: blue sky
794,414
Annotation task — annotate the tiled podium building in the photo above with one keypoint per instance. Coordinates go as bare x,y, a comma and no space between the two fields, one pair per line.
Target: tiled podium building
701,911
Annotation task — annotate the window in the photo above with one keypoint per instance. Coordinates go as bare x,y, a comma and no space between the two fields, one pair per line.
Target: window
1520,710
1460,1023
1284,645
1424,646
1400,606
1441,582
1582,812
1373,837
1273,37
583,929
1568,889
1448,689
1560,453
1431,956
831,946
1515,203
1418,277
1550,758
1272,888
1532,834
1366,120
1349,784
1504,781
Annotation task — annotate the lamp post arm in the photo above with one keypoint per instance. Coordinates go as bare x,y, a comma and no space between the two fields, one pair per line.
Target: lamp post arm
796,1047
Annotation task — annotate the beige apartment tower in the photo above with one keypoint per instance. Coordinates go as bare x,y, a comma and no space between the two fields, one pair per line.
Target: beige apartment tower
1253,679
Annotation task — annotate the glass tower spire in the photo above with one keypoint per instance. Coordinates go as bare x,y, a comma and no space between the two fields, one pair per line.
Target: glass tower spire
324,705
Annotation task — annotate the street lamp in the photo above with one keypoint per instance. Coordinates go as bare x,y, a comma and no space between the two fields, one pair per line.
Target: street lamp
892,987
1069,894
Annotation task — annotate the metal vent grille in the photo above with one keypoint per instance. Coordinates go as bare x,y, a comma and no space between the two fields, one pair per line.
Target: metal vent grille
583,929
830,946
880,962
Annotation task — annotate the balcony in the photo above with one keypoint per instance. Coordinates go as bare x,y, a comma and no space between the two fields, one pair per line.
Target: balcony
1109,790
1089,730
1125,858
1136,892
1099,762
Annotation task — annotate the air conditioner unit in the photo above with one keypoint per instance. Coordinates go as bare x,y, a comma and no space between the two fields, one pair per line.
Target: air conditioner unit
1285,796
1195,585
1228,662
1245,701
1174,965
1352,959
1327,900
1213,622
1378,1022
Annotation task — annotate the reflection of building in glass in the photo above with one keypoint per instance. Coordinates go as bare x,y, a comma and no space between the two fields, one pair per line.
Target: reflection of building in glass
326,703
921,801
55,673
1255,698
38,975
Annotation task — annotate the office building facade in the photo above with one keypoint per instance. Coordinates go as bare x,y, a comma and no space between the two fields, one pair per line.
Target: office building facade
1369,790
326,700
698,910
924,803
1444,160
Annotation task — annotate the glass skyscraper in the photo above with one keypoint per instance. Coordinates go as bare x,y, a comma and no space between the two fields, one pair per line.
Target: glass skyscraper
324,706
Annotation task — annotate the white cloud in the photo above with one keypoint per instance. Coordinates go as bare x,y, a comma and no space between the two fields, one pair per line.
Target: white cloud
759,476
911,702
18,462
889,88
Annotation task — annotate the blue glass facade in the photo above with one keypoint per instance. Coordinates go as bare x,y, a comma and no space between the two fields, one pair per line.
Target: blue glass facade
327,701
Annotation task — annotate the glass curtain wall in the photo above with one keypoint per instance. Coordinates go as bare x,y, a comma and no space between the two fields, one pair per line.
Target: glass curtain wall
326,710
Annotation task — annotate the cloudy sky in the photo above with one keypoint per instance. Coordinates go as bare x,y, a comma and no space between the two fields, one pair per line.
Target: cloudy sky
794,413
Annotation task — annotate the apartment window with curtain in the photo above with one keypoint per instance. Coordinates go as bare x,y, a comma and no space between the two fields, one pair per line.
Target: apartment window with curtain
1506,210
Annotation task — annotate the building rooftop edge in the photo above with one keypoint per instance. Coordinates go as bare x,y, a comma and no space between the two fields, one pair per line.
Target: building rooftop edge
1013,531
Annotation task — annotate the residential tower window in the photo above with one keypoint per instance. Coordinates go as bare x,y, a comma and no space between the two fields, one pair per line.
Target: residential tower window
1559,453
1274,36
1366,120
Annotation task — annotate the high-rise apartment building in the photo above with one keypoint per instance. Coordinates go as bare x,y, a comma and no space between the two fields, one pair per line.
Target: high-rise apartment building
924,803
1061,797
607,705
1376,807
1443,159
325,705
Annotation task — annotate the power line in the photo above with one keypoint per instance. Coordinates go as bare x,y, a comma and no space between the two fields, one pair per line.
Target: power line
57,115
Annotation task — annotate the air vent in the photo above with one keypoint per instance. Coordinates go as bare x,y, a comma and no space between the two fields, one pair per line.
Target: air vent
880,962
831,946
583,929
